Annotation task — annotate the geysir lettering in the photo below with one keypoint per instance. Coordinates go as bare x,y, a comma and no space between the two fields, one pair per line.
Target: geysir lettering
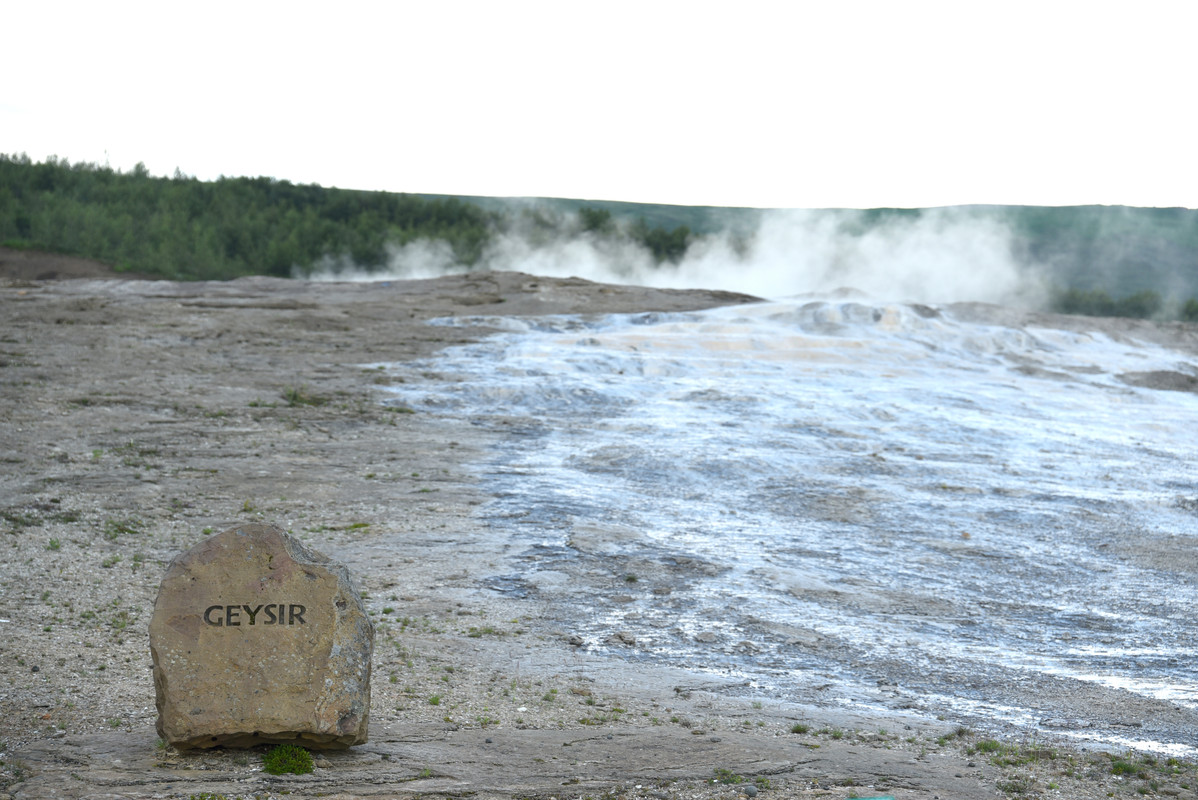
232,616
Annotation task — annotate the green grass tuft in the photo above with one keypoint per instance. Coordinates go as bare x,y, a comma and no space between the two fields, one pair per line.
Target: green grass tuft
287,758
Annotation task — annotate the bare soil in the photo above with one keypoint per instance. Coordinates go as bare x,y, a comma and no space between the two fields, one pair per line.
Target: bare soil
137,417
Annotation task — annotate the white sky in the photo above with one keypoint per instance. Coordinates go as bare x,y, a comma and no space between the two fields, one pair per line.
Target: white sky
799,104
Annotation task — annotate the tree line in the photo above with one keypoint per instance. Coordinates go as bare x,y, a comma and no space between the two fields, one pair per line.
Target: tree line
184,229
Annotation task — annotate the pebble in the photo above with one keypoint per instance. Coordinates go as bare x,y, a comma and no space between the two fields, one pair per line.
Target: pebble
750,791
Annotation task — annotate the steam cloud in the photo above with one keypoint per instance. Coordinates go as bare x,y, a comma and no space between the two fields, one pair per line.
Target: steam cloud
941,256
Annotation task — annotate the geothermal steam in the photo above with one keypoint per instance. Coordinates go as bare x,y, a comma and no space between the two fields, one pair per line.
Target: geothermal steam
941,256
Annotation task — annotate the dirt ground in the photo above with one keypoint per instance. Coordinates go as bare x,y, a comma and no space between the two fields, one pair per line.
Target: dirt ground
137,417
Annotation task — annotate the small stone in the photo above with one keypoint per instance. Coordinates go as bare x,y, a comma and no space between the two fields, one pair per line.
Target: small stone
323,763
256,639
750,791
489,741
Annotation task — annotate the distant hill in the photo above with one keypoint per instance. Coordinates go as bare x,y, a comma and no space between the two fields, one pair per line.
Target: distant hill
1099,259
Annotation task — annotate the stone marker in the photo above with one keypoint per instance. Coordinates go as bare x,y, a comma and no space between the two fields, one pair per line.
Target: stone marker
257,639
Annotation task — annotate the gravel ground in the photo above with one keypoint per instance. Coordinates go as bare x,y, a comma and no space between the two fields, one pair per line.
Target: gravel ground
137,417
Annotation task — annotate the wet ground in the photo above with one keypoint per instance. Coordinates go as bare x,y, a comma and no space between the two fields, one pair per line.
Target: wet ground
879,506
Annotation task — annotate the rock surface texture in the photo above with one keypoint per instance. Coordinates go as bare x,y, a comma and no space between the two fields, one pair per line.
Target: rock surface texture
256,639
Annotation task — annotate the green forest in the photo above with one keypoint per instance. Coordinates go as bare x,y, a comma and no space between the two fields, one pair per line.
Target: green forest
184,229
1102,260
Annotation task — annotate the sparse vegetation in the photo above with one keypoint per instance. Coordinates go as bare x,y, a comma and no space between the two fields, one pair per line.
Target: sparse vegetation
114,528
300,396
1121,767
727,776
486,630
287,758
18,519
